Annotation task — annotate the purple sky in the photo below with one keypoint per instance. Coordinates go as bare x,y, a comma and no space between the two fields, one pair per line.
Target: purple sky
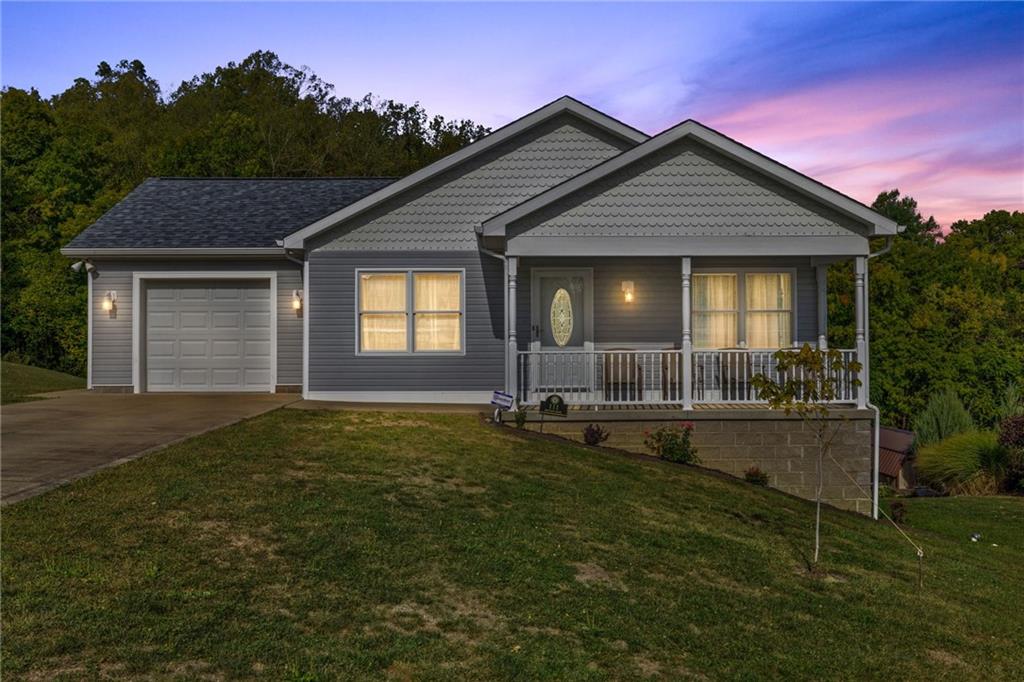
864,97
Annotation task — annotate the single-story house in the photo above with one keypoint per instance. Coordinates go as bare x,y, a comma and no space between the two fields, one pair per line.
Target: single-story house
566,252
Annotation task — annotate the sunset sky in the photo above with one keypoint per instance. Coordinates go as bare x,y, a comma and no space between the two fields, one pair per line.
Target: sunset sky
928,98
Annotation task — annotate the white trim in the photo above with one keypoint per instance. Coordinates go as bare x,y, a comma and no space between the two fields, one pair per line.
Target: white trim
741,300
440,397
305,325
747,245
297,239
410,314
139,277
88,338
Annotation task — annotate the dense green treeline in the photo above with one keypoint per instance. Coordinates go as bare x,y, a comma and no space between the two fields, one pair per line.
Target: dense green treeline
945,312
66,160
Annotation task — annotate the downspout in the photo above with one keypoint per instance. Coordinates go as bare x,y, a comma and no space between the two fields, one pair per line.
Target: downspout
504,298
867,366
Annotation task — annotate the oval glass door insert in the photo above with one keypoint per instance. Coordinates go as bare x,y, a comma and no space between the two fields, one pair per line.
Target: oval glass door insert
561,317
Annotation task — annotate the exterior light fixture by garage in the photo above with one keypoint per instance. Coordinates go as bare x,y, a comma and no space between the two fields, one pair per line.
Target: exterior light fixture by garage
297,299
627,289
110,301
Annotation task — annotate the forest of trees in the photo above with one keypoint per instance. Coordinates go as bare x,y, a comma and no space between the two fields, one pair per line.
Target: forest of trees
945,311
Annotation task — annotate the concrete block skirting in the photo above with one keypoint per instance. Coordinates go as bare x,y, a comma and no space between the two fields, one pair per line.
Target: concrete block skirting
733,441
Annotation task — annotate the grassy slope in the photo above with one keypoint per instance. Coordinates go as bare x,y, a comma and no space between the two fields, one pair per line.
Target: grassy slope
17,382
319,545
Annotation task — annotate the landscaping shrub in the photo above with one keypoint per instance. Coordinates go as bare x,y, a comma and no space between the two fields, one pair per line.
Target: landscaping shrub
1011,437
942,417
520,417
971,463
594,434
1012,402
673,443
756,476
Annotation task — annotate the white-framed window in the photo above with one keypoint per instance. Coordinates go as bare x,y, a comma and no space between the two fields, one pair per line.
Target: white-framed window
410,311
715,310
769,309
742,309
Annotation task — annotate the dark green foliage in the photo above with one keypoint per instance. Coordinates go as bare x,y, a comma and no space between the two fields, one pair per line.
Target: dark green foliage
673,443
595,434
966,463
1011,432
67,159
942,417
756,476
520,417
944,312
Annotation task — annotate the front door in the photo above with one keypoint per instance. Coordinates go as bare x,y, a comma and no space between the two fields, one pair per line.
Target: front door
562,329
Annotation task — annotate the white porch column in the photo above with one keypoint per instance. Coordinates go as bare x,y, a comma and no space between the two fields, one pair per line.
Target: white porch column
821,272
512,357
861,303
687,338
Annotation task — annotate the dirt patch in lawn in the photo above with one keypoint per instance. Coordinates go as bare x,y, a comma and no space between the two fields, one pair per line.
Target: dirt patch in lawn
594,574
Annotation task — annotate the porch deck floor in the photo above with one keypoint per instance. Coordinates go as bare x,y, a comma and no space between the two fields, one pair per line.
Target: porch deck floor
658,407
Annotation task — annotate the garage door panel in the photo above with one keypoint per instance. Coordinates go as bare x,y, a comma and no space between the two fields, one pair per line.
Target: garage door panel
208,336
257,319
222,320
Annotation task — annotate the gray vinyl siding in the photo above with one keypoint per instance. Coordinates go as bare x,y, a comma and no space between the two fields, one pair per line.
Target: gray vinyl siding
655,316
685,190
443,213
111,344
334,364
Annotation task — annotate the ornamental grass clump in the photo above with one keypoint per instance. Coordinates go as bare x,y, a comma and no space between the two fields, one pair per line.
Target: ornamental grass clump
971,463
942,417
673,443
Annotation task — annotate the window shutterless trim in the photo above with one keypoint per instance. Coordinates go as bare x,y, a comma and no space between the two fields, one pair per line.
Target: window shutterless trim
410,312
741,299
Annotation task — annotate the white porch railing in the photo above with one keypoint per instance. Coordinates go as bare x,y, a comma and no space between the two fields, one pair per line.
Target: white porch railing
640,377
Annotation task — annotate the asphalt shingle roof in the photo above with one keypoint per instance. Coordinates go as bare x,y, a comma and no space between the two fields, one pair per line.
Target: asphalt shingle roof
221,212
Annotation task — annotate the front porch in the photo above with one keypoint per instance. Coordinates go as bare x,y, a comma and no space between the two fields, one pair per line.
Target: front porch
667,334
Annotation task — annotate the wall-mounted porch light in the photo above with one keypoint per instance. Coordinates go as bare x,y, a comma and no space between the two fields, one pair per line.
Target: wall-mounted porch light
627,289
109,301
297,299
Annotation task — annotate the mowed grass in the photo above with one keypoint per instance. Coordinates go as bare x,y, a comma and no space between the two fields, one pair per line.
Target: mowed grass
346,545
18,382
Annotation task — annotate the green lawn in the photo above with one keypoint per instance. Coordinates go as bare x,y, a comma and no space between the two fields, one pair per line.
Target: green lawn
18,382
326,545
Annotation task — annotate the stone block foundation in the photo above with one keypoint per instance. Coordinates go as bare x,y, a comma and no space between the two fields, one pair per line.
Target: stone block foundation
734,440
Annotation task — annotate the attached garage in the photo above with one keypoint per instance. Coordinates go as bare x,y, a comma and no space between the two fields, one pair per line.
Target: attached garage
208,335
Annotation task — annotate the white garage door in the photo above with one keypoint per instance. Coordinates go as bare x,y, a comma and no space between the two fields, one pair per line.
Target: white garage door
208,336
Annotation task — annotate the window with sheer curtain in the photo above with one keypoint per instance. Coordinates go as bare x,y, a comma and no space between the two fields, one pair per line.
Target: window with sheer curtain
715,311
396,308
769,309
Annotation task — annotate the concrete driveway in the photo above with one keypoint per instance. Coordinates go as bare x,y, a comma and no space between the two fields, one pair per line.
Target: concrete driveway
46,443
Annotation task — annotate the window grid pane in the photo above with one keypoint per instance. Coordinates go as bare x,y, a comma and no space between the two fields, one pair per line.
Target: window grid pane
769,330
438,331
714,292
383,332
714,329
382,292
437,291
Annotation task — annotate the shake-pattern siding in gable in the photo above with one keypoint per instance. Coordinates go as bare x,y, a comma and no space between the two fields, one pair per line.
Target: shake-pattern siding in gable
444,212
684,190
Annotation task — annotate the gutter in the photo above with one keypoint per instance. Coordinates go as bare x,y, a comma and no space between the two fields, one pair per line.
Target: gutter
504,288
874,408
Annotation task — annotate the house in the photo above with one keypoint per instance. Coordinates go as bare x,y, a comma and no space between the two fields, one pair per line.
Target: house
895,458
641,278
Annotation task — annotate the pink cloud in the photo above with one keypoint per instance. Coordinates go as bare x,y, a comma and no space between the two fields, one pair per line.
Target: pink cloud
954,141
